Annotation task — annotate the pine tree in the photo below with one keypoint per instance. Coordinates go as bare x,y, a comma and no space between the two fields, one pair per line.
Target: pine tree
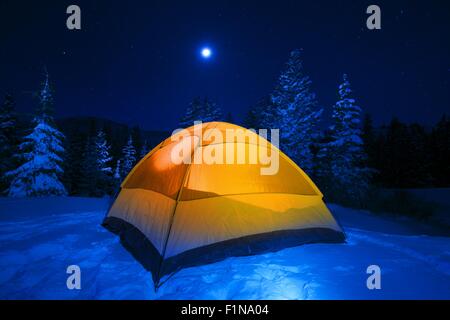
97,174
8,141
369,139
128,158
251,119
267,115
144,149
45,108
103,153
117,173
200,110
41,154
350,176
295,112
420,158
254,118
210,111
395,165
323,173
193,113
73,162
440,153
89,169
136,135
229,118
104,170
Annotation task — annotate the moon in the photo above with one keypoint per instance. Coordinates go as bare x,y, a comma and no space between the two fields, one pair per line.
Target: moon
206,52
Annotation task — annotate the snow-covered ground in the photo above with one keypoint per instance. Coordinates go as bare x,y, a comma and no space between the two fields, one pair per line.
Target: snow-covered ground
39,238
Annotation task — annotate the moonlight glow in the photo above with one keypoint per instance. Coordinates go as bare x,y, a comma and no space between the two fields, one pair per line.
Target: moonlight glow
206,52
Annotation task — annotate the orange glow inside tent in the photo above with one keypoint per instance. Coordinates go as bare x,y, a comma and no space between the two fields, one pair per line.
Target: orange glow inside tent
175,215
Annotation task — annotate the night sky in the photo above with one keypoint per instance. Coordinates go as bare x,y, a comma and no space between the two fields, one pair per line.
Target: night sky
139,62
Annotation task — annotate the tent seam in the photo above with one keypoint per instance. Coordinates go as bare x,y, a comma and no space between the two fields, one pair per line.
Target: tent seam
175,210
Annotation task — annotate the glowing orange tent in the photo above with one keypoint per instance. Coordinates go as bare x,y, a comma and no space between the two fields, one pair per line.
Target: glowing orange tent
173,215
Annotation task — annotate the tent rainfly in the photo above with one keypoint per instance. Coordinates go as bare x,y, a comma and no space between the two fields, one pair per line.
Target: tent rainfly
175,215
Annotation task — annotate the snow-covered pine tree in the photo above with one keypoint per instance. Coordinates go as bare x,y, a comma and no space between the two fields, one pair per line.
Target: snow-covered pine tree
210,111
104,170
89,170
369,138
128,158
103,153
346,148
323,173
295,112
45,109
136,135
8,141
96,171
144,149
201,110
193,113
117,170
41,154
254,118
75,144
251,119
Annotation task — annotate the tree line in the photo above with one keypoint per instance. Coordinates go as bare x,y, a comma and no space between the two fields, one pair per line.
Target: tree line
408,155
346,159
349,158
44,161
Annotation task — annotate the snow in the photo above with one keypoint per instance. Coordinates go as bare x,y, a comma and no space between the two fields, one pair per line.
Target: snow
41,237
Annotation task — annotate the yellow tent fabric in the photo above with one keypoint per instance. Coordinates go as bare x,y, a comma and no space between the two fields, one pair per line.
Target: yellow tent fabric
176,215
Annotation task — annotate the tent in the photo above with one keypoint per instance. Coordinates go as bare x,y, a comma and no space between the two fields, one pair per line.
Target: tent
172,215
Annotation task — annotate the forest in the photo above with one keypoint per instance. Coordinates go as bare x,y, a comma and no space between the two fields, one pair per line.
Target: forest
348,159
